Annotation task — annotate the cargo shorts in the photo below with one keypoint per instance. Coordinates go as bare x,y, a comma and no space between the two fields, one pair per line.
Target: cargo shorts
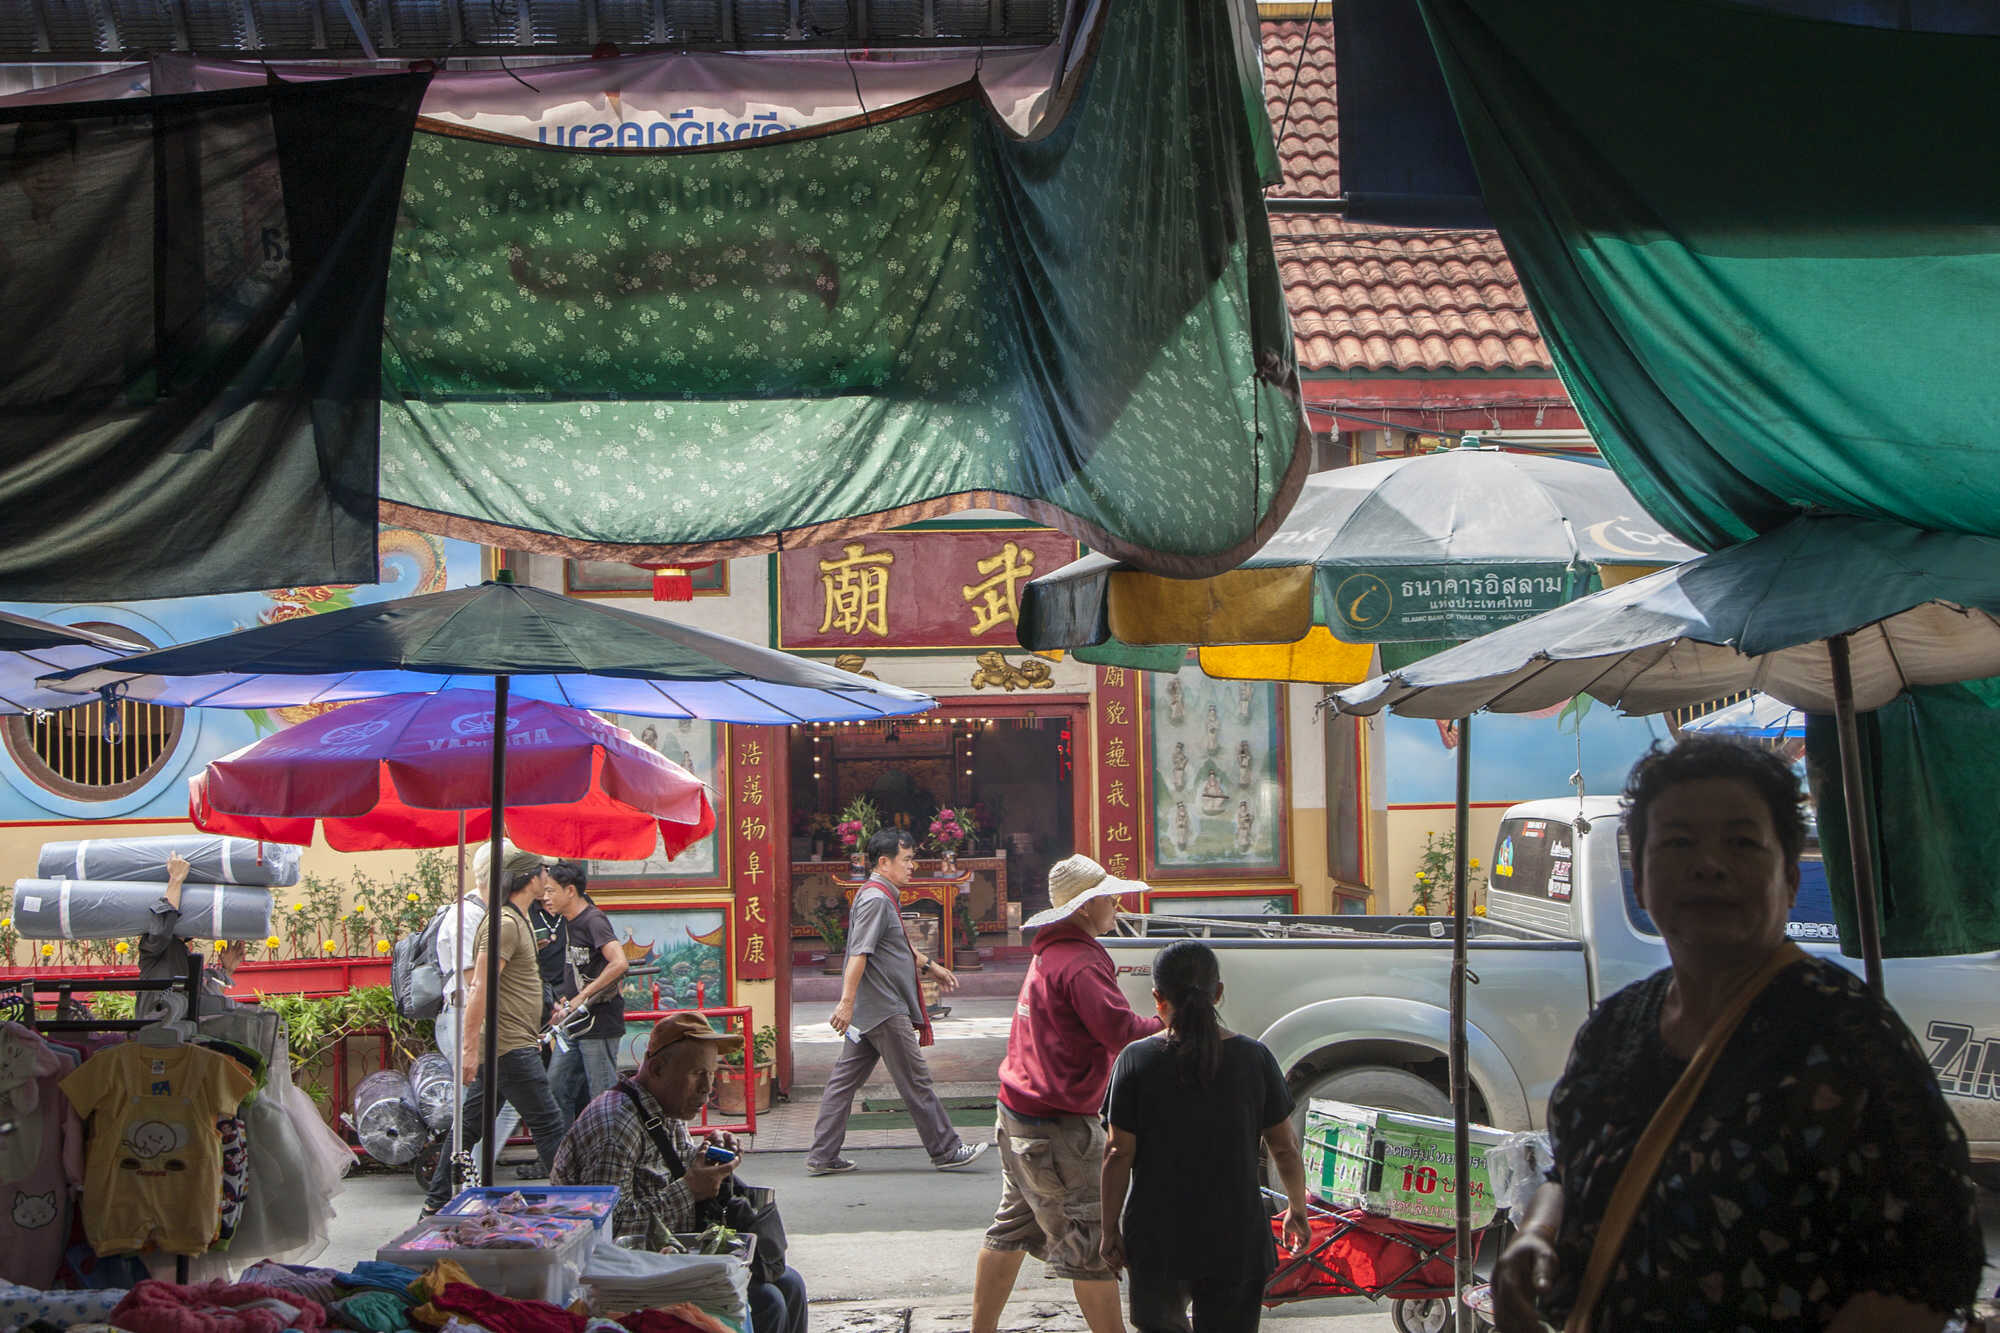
1049,1200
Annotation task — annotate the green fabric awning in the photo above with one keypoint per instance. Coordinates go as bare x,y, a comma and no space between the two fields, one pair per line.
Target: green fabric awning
711,352
1931,776
1767,282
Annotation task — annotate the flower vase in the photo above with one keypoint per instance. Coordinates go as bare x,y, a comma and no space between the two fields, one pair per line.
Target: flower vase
858,863
951,861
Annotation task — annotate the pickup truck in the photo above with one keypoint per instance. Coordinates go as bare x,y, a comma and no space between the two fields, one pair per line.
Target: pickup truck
1355,1007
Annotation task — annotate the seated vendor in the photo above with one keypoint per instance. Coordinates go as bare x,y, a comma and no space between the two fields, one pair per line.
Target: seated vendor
610,1145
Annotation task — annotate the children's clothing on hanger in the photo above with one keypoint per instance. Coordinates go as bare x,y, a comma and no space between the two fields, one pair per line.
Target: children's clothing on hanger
153,1175
41,1158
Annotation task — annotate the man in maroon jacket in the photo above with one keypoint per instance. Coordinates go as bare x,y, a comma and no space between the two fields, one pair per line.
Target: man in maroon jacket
1070,1023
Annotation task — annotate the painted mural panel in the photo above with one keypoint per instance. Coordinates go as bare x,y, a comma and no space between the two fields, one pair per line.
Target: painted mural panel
1216,766
1517,756
681,948
410,563
697,747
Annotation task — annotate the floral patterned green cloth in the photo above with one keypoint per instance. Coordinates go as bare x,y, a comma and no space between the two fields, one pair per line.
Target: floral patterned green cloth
813,334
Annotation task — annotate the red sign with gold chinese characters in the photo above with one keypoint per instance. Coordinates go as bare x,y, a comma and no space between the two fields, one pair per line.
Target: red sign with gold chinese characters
944,588
1120,795
756,765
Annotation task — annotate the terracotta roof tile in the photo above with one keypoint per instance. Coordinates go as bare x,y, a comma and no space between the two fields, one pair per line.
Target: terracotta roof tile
1368,297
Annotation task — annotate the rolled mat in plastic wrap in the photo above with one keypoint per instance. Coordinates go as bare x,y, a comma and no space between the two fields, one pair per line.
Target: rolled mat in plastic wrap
431,1080
386,1119
211,859
65,909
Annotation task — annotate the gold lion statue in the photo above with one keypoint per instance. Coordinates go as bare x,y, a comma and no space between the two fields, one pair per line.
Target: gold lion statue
995,670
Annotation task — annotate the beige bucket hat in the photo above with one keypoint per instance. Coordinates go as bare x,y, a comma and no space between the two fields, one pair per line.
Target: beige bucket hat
1073,881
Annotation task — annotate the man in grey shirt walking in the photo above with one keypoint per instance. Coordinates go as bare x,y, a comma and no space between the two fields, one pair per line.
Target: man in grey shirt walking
881,1013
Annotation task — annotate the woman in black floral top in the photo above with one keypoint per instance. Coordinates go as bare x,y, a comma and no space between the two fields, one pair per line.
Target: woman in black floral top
1819,1182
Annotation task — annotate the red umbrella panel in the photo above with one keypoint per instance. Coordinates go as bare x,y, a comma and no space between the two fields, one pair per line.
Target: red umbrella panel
399,772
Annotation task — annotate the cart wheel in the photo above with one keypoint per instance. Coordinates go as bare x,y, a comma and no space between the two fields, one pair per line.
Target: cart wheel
1428,1315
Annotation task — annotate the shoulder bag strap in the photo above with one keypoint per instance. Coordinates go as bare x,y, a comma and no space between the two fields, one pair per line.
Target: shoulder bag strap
1651,1150
925,1035
654,1127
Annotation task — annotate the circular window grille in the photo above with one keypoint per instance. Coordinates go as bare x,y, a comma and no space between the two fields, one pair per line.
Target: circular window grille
95,751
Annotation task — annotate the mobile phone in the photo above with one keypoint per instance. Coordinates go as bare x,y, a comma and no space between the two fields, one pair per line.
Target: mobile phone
718,1154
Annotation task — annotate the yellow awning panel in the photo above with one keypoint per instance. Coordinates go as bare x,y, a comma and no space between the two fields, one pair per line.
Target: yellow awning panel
1315,658
1241,606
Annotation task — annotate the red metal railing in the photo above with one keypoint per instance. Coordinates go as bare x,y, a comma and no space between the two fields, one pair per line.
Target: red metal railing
739,1013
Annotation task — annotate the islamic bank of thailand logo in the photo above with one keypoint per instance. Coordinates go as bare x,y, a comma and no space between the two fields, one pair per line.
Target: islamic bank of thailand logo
1364,600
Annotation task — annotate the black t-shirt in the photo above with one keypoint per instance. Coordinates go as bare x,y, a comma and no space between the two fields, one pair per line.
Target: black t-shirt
589,931
1195,1208
551,941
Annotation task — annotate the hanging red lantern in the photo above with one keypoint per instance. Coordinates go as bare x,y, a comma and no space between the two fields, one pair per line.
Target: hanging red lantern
673,582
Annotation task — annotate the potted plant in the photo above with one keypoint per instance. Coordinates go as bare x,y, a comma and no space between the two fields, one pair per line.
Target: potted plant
763,1065
832,928
951,830
965,947
858,821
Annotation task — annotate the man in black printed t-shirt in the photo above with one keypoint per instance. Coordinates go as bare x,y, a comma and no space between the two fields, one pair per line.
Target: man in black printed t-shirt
594,972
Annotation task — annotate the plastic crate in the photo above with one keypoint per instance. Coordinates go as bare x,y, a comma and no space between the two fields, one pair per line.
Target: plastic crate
550,1275
595,1202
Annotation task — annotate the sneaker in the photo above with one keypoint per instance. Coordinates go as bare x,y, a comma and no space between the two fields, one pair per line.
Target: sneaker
839,1166
964,1155
530,1171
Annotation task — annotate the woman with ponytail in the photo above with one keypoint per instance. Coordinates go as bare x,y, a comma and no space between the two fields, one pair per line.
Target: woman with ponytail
1188,1110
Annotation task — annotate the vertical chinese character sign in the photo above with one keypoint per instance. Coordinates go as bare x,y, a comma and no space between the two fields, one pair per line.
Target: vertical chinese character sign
756,765
1120,795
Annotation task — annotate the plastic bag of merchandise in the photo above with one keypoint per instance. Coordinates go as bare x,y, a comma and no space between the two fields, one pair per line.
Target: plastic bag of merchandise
1517,1168
211,859
386,1119
85,909
432,1080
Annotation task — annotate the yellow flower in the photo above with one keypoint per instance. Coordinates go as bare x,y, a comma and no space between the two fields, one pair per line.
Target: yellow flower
121,947
298,907
272,942
327,945
1479,910
381,946
6,922
413,897
48,951
1419,910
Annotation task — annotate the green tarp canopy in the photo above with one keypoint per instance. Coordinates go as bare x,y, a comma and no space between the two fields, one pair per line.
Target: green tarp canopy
1765,253
1768,284
715,351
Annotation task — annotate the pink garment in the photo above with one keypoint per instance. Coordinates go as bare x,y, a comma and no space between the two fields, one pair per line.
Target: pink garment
215,1307
41,1162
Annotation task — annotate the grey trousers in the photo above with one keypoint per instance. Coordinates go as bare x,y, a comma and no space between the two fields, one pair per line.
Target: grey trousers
893,1043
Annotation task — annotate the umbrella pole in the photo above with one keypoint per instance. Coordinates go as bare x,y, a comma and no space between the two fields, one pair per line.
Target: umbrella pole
457,982
489,1067
1461,1083
1860,825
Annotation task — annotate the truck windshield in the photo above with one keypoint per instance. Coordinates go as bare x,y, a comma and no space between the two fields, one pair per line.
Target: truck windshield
1812,914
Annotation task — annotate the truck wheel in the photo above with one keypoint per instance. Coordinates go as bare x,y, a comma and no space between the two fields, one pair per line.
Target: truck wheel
1382,1086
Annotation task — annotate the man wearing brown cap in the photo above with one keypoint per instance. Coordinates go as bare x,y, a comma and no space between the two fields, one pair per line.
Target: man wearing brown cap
636,1137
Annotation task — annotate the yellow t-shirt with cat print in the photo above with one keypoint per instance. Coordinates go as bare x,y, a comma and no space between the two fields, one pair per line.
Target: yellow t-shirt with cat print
152,1178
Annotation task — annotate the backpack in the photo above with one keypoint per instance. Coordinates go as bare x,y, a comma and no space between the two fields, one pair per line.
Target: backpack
414,979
